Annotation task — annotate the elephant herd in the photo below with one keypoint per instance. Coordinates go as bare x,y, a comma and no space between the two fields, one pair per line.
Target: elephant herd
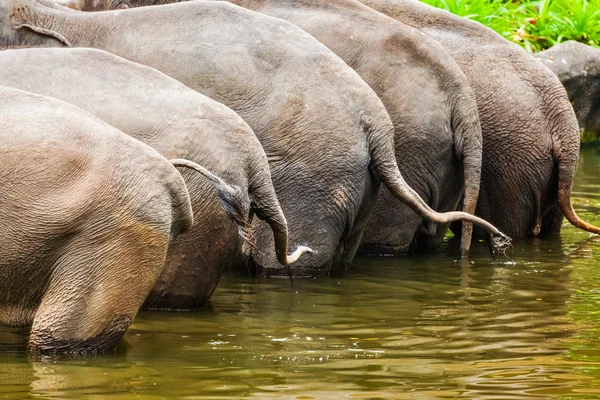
301,113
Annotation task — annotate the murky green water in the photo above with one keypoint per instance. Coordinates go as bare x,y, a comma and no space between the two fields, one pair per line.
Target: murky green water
410,328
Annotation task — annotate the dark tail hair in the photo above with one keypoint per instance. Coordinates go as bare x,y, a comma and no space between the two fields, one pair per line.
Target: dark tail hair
230,196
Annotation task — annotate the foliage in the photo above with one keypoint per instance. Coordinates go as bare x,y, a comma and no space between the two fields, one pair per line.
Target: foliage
590,138
534,24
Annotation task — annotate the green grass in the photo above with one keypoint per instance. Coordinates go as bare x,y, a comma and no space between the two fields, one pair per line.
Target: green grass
536,25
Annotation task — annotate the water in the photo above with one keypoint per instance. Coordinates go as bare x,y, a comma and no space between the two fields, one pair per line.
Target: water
427,327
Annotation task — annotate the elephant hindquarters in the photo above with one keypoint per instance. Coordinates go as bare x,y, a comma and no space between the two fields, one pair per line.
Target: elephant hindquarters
97,286
321,208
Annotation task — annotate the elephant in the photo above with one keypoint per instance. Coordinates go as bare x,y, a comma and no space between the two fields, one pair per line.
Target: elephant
87,215
179,123
529,130
577,66
437,133
327,136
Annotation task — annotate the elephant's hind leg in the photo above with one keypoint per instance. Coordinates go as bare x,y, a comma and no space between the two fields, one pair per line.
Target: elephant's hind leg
353,240
552,221
96,289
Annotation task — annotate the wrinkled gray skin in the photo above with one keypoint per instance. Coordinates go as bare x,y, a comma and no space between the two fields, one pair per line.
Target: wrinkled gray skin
179,123
437,131
87,213
577,66
530,133
95,5
436,127
326,134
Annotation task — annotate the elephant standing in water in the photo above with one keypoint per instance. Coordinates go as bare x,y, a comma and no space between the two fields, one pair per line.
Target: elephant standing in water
577,66
179,123
87,214
327,136
530,133
437,132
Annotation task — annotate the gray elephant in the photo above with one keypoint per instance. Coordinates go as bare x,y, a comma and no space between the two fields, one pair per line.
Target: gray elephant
530,133
87,214
179,123
437,133
328,138
577,66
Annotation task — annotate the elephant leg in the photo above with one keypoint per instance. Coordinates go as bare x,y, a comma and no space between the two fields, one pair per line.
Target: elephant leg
96,289
353,240
348,250
552,221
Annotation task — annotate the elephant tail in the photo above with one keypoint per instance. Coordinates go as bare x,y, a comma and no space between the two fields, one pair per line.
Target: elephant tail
384,166
566,139
565,182
265,205
466,129
230,196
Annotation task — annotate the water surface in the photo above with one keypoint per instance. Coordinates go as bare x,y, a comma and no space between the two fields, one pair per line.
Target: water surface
425,327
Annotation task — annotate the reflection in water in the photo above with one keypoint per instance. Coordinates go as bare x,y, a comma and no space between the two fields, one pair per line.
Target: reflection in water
416,328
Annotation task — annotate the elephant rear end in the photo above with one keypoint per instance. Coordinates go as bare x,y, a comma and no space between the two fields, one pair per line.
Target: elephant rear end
89,214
